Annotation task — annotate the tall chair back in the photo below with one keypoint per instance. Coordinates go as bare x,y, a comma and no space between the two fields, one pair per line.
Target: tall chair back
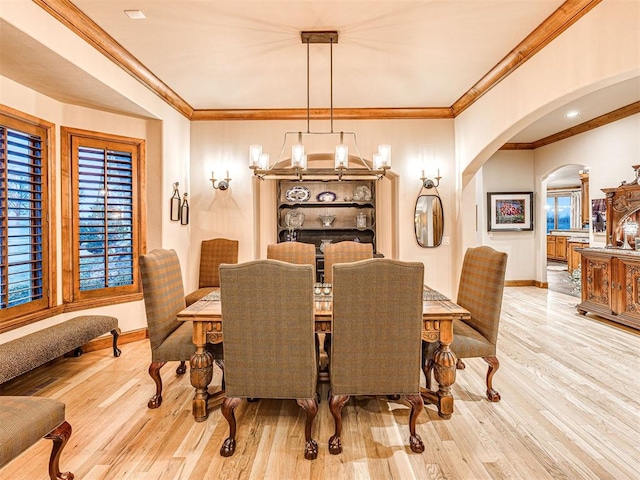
171,340
480,291
213,253
293,252
481,287
376,330
344,252
269,340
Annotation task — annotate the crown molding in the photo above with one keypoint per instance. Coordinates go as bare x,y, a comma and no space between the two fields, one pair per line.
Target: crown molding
610,117
324,114
78,22
566,15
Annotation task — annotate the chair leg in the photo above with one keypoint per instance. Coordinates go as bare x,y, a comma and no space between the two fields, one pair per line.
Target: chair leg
428,369
415,442
116,333
182,368
460,365
59,436
494,364
311,446
336,402
154,372
220,364
427,365
228,406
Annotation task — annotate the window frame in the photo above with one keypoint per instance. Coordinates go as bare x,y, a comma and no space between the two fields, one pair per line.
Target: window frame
71,140
23,314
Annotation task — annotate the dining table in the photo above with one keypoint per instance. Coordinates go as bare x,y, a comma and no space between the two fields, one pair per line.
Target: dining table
438,315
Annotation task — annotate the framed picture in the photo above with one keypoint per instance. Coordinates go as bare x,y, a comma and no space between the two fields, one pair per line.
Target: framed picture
509,211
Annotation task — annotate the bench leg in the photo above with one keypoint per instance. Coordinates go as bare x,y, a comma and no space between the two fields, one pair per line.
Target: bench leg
59,436
116,333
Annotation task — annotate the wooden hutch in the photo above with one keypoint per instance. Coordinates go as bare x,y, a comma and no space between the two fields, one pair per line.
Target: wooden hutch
611,275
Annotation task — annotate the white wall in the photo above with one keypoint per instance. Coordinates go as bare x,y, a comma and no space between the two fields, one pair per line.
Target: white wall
599,50
222,146
510,171
165,130
608,152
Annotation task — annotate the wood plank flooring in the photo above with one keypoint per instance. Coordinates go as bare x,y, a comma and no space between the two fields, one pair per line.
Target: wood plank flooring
569,410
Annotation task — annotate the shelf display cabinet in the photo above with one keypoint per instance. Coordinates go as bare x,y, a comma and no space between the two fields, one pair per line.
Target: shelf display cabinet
326,211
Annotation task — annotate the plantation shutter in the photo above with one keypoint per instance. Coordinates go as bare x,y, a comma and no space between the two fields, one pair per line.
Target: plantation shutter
23,222
105,239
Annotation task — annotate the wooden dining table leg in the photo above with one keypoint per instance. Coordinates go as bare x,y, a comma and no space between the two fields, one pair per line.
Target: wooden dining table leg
444,372
201,372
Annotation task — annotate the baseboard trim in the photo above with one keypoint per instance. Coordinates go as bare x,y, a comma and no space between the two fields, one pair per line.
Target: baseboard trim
107,341
525,283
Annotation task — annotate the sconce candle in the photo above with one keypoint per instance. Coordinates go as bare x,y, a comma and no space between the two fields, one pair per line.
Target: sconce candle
222,184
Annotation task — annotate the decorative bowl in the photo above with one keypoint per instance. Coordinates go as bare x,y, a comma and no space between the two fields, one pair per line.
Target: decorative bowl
327,220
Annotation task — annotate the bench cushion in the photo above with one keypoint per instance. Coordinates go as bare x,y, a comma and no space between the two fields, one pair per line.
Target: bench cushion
24,421
26,353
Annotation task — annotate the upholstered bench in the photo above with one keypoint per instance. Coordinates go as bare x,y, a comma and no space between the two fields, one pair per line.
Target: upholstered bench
24,421
26,353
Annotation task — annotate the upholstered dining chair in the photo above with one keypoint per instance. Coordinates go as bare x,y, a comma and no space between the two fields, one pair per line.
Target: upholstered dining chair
293,252
343,252
480,292
377,327
212,253
269,345
171,339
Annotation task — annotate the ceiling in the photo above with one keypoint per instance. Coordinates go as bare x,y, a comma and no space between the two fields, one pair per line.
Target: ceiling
236,54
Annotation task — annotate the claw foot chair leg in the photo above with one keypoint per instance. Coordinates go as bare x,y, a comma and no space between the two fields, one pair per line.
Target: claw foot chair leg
336,402
310,405
494,364
59,436
417,406
154,372
228,406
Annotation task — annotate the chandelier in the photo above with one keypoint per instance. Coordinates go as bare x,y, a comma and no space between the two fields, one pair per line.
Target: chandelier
345,165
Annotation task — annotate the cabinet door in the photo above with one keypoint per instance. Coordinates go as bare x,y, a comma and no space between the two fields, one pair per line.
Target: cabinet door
625,288
551,246
561,248
573,257
596,280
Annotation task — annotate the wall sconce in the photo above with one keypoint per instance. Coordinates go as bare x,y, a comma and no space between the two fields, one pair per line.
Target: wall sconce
222,184
429,183
174,213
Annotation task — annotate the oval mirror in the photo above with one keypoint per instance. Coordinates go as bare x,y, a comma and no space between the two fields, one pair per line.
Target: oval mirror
429,221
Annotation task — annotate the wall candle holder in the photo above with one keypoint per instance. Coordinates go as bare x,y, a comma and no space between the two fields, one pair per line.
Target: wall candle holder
184,211
174,213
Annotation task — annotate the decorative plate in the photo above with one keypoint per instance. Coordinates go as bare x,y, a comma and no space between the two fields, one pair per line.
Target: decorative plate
294,218
298,194
326,197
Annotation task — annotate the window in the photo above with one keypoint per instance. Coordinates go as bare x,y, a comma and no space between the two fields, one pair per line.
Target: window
25,266
559,212
101,228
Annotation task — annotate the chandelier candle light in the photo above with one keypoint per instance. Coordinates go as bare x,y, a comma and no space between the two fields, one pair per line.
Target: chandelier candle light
259,161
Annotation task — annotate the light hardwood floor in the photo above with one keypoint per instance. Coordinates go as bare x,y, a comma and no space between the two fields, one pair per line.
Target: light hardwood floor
569,410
